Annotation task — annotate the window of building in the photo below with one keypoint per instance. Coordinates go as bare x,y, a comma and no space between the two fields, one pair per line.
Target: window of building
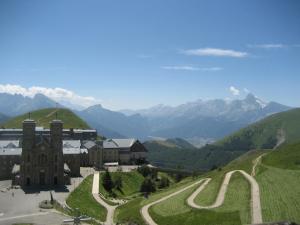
55,181
27,181
28,158
55,158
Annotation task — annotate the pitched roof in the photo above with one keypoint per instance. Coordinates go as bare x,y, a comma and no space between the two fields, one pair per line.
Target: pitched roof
9,143
89,144
71,144
119,143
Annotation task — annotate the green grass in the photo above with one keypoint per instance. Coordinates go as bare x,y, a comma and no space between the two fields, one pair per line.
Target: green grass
131,210
44,116
173,206
259,135
202,217
131,183
287,157
83,199
175,211
279,180
236,204
280,194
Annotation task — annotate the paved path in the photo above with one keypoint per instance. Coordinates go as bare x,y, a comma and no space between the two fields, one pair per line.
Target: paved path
145,209
110,209
255,196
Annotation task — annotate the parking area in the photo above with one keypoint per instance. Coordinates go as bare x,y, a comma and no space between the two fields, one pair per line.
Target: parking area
23,205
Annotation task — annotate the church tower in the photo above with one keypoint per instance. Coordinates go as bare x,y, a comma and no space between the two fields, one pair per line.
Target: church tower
28,144
56,136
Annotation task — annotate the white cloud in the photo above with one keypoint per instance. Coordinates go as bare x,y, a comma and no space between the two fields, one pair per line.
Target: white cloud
192,68
57,94
234,91
268,46
215,52
144,56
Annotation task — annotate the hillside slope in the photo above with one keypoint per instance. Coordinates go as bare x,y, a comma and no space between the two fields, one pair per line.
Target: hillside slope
170,155
265,134
279,179
44,116
3,118
175,210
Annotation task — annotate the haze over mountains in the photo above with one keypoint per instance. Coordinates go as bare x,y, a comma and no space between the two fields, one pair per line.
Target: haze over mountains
196,121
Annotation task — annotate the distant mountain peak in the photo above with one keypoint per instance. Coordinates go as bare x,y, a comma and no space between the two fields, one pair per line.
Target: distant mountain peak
254,100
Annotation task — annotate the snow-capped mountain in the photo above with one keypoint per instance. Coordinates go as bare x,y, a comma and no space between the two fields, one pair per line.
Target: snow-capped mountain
198,120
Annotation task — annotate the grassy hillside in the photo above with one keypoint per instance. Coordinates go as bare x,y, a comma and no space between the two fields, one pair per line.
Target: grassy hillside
175,211
3,118
131,183
44,116
286,157
83,199
279,181
171,156
235,210
265,133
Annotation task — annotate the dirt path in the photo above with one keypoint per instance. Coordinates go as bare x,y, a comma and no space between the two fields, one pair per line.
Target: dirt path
53,112
110,209
145,209
256,162
255,196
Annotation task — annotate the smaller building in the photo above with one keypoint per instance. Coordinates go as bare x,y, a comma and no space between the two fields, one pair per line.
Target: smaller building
121,151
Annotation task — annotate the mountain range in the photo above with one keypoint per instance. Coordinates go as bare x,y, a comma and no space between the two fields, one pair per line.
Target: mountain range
198,122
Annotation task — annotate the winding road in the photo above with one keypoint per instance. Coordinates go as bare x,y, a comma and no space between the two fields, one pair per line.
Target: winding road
145,209
110,209
256,214
255,196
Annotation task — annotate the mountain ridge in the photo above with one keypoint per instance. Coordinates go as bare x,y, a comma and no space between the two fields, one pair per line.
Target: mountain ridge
200,121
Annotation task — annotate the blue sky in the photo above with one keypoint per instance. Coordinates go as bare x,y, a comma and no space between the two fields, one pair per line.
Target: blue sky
135,54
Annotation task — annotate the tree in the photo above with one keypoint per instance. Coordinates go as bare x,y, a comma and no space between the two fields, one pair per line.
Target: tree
144,170
164,182
107,181
118,183
178,177
148,186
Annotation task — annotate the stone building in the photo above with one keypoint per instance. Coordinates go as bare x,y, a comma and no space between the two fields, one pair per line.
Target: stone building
37,156
42,161
123,151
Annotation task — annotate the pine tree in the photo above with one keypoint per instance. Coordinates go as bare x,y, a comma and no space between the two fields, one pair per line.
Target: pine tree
107,181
